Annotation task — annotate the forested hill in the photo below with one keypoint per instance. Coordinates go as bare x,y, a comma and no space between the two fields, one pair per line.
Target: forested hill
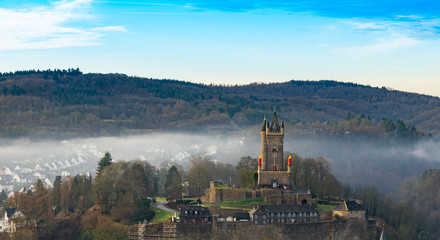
68,102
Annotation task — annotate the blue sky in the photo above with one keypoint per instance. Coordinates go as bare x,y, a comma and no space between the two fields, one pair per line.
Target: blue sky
379,43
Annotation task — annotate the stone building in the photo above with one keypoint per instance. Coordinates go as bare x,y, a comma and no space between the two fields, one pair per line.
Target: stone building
266,214
349,209
272,170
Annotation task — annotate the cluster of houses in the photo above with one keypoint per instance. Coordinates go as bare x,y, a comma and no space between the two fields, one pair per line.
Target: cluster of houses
23,175
268,214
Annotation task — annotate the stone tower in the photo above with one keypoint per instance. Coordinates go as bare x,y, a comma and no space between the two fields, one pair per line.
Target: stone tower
272,170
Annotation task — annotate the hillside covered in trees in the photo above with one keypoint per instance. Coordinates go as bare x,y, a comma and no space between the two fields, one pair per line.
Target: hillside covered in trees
70,103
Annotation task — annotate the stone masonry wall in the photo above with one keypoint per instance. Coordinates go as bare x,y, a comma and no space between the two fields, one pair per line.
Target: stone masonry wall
295,199
339,230
214,195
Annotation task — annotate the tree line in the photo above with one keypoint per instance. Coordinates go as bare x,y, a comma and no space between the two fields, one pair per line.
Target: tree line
121,194
100,104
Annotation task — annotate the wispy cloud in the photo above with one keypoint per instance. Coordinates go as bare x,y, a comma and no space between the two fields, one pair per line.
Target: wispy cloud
47,26
138,3
380,46
111,29
390,34
158,13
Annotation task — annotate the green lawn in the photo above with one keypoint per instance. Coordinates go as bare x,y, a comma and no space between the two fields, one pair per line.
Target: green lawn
325,208
161,199
242,202
222,186
228,207
160,215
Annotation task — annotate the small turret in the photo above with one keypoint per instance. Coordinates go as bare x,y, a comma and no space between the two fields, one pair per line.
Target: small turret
264,125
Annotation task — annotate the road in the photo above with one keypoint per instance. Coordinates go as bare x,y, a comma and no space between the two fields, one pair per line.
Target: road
162,206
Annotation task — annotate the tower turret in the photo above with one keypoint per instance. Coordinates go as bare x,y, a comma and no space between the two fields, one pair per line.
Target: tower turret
273,170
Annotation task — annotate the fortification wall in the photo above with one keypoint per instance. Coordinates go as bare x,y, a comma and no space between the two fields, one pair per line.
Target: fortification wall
214,195
339,230
294,199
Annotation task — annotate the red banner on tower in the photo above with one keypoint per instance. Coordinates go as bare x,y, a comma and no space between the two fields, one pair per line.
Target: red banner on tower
259,160
289,161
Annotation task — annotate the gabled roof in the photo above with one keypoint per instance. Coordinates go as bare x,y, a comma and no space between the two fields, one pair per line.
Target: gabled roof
260,211
10,212
349,206
264,125
195,211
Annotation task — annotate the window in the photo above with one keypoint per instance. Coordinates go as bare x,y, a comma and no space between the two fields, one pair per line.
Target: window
293,215
264,216
256,222
282,214
289,214
300,214
282,220
316,215
271,214
278,214
278,220
264,222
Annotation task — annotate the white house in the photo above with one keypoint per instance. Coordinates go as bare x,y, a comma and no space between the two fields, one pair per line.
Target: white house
9,172
12,218
16,178
48,182
38,167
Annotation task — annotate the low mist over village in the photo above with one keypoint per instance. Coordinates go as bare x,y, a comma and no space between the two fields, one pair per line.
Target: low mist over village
130,120
26,161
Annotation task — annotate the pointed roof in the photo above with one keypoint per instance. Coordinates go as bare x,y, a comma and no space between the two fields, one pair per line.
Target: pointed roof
10,211
264,124
275,125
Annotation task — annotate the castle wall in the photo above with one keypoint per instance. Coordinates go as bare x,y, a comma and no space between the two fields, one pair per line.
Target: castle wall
214,195
339,230
265,177
296,199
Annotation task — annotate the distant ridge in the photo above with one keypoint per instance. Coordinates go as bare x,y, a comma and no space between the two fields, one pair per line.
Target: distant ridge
53,102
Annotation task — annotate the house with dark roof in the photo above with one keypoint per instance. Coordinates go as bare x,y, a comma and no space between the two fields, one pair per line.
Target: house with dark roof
194,214
9,223
349,209
265,214
242,217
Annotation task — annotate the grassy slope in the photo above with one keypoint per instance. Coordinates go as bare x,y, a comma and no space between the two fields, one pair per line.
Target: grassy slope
160,215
